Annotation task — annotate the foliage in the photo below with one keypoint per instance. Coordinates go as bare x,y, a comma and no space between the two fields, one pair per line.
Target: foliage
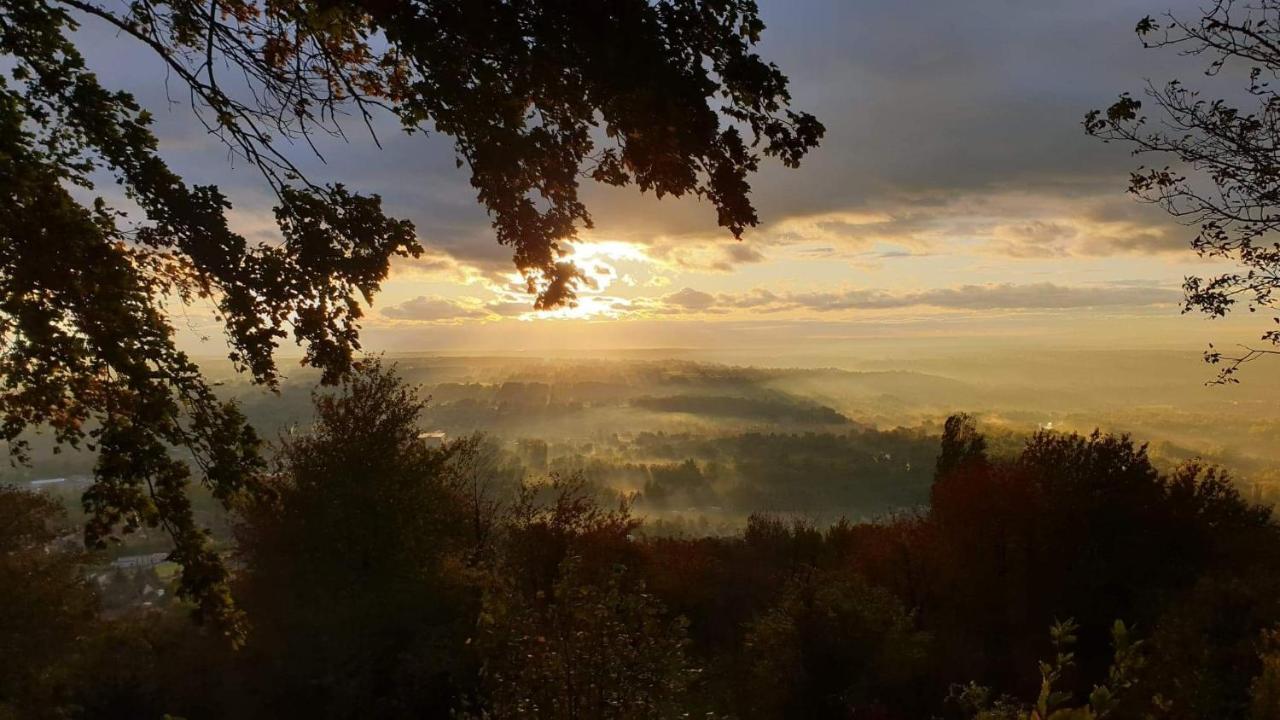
479,476
1264,693
87,287
519,86
1227,180
1084,527
833,647
566,630
383,578
353,572
46,605
590,649
150,663
1053,704
961,445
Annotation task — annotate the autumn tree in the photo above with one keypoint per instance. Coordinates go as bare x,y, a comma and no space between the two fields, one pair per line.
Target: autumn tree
962,445
568,628
669,96
485,480
600,648
1264,693
1085,526
46,607
1223,176
352,563
1119,695
832,647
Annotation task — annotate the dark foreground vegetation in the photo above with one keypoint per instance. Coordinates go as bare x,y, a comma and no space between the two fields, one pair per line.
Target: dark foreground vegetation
382,578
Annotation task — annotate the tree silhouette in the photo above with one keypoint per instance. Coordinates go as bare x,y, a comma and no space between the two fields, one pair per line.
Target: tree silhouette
1227,179
346,569
666,95
962,445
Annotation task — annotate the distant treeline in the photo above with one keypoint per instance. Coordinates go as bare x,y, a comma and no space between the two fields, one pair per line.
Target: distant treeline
774,409
859,473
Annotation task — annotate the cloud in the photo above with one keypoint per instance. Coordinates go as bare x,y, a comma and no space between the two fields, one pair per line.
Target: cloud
690,299
1018,224
1038,296
509,308
1044,296
434,264
434,309
755,298
899,224
718,252
741,253
1090,232
1032,239
1007,296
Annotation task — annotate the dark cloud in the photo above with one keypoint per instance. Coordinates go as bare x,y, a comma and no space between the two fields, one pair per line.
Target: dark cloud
923,102
927,102
946,96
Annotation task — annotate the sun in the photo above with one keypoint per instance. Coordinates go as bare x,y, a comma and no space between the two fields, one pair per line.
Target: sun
604,263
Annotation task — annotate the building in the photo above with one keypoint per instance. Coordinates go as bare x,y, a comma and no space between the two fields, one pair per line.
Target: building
140,561
433,439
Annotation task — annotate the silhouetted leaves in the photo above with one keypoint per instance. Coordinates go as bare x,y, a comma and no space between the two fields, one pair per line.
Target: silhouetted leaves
1227,180
528,90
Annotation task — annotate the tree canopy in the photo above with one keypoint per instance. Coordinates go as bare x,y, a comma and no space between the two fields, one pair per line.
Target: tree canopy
537,95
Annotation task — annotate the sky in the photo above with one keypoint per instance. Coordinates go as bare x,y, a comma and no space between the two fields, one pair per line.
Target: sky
955,197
